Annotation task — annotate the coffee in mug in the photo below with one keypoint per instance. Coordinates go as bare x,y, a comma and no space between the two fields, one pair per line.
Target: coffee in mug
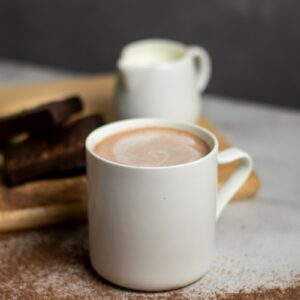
152,147
153,207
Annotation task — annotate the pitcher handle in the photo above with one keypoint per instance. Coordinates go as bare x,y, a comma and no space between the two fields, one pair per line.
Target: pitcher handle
203,65
237,179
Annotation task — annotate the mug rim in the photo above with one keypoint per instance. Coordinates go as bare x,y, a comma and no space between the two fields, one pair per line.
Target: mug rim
155,41
116,127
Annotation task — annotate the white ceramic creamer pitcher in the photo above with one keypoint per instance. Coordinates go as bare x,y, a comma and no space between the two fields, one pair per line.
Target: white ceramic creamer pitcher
163,79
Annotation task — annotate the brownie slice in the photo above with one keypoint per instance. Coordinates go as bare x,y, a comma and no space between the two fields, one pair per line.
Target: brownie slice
60,152
43,117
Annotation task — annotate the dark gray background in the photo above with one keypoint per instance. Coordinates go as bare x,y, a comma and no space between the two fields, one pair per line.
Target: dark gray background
254,44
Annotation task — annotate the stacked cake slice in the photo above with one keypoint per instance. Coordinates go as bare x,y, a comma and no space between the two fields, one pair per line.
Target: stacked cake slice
55,143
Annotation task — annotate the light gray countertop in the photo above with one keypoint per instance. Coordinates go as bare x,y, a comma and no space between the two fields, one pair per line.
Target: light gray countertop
258,240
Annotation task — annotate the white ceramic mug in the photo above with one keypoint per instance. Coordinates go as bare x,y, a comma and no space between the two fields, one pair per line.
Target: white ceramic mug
153,228
161,79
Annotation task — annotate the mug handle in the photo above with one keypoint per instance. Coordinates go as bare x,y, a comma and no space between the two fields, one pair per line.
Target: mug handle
236,180
203,66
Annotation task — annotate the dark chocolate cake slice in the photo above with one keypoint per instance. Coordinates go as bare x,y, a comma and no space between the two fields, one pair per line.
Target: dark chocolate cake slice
60,152
43,117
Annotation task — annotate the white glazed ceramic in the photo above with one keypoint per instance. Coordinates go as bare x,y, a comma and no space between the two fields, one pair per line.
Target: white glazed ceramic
153,228
161,79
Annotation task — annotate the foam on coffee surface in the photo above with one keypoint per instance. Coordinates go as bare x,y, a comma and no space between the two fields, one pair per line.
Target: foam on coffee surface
152,147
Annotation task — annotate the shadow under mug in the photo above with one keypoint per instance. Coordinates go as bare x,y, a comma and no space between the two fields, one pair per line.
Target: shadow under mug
153,228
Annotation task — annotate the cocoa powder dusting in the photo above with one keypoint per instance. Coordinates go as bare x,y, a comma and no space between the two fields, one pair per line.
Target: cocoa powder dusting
53,263
289,293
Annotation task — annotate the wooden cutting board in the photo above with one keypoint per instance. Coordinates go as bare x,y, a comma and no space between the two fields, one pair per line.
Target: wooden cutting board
45,202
